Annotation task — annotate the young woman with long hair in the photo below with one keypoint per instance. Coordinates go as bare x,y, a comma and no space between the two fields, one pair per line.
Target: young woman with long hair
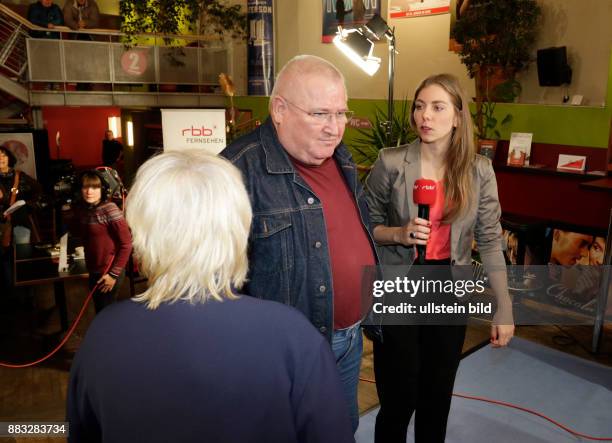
415,366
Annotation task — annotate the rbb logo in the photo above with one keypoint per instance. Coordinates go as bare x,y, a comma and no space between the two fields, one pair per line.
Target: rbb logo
424,187
197,132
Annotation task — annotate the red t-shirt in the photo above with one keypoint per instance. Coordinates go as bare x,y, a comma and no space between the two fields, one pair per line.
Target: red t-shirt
349,246
438,246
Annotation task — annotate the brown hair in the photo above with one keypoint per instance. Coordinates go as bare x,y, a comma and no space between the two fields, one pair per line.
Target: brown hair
461,153
90,179
12,160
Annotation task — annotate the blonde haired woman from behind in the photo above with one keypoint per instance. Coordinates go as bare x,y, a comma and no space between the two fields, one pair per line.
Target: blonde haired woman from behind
191,359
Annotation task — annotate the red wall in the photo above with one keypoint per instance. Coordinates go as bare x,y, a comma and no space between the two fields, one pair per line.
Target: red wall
81,131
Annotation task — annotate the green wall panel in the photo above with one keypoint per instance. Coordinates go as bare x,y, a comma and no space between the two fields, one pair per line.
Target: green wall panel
564,125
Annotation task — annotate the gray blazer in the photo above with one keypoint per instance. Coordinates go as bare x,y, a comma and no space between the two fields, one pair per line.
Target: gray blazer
389,196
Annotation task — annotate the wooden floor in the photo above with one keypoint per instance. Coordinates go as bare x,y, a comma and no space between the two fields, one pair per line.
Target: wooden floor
38,393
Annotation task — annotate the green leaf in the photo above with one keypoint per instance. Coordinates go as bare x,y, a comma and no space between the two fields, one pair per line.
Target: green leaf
365,148
491,122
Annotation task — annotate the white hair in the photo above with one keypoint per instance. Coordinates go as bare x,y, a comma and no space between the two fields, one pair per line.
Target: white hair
190,217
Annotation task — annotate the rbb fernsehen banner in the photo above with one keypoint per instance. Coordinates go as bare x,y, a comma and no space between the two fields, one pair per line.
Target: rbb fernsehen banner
194,128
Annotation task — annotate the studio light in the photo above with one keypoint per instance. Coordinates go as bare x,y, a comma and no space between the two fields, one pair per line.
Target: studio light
378,28
358,45
358,48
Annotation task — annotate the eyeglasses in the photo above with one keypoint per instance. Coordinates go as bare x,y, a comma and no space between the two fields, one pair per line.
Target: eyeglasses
323,117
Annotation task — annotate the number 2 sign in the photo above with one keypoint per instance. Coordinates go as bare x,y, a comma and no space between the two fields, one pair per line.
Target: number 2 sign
134,62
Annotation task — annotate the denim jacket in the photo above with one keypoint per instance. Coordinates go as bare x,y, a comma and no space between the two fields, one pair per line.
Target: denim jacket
288,249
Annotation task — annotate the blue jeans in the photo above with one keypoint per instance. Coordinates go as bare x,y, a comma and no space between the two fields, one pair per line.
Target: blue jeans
347,346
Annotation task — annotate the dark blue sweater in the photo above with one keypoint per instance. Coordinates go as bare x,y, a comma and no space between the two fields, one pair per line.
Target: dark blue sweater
238,371
42,16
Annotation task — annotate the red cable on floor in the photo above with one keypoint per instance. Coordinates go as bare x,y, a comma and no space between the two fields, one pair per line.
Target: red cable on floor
520,408
62,343
531,411
68,334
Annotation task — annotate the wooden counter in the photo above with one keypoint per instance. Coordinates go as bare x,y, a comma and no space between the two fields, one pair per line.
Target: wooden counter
603,184
567,199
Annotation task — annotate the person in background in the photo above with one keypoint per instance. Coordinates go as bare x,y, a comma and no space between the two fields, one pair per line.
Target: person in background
358,11
310,240
27,188
192,359
112,150
415,365
46,14
341,11
14,185
105,236
81,14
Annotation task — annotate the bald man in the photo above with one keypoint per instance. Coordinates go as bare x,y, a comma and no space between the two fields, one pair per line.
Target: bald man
310,237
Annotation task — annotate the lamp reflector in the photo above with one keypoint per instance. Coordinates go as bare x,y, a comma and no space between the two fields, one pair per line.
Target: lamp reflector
358,49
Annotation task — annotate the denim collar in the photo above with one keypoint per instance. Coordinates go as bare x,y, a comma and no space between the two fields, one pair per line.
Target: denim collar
277,159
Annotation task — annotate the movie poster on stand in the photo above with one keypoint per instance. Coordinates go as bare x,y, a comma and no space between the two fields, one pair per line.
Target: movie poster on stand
21,144
194,128
260,47
346,13
575,269
417,8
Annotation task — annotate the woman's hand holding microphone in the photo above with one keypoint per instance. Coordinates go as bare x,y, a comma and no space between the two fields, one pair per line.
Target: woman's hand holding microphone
415,232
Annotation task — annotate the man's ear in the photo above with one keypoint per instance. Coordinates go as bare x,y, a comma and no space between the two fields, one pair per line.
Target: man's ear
278,109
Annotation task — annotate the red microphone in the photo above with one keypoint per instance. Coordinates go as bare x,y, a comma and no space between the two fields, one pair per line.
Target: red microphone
424,195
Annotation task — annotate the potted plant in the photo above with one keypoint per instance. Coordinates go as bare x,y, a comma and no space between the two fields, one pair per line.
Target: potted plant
486,124
496,39
168,17
364,149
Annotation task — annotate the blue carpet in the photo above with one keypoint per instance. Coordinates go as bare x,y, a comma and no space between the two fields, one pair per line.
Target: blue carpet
568,389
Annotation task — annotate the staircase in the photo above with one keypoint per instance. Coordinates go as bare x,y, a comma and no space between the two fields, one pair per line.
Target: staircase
93,68
13,58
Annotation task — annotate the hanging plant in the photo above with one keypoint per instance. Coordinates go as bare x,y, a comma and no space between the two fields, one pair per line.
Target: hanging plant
169,17
497,33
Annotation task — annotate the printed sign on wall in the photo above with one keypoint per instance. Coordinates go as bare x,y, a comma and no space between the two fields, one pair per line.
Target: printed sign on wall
346,13
134,62
260,47
194,128
417,8
21,144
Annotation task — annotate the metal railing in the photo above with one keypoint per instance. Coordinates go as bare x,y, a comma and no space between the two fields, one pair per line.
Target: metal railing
98,56
13,35
77,61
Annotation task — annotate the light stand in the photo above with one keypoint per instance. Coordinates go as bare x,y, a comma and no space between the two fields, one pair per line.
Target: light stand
389,122
358,46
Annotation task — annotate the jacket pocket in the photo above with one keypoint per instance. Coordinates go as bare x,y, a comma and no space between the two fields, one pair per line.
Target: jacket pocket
271,257
271,243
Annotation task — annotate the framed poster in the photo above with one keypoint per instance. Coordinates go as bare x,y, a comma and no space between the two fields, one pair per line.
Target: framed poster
260,47
21,144
194,128
346,13
575,269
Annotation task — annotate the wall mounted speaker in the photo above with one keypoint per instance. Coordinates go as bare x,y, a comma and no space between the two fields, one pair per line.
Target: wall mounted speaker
553,69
